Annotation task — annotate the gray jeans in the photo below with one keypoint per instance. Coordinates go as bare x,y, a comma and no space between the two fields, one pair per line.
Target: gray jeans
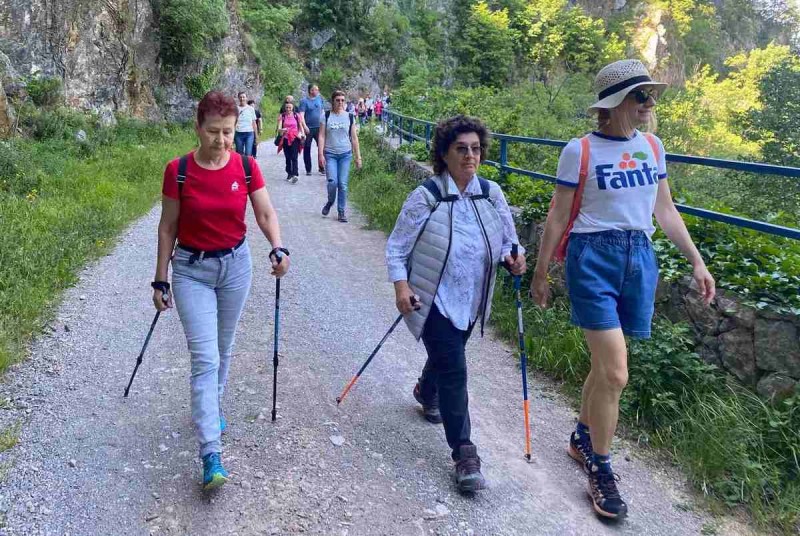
209,295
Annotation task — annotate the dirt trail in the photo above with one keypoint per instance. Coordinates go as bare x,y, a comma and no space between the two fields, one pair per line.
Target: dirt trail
91,462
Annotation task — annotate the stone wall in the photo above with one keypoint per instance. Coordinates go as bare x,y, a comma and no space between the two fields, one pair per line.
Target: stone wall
107,55
758,347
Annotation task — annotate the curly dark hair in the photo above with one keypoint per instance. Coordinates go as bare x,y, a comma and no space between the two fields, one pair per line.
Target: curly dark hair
446,133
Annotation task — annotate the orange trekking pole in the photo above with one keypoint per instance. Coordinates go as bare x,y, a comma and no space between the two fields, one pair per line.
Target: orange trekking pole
523,360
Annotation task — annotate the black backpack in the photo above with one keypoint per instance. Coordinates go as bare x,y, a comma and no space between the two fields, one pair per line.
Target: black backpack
183,162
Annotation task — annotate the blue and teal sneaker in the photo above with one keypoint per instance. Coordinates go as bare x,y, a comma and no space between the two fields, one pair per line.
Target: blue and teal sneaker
214,475
223,424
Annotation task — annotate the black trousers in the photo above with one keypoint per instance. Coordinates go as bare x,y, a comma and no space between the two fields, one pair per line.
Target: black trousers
313,134
291,153
445,374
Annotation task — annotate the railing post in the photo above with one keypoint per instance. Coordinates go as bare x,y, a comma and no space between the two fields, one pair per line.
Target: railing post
427,135
503,158
400,129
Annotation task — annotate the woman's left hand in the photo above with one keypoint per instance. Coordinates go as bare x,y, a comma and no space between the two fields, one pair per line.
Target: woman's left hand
280,269
705,283
358,162
518,265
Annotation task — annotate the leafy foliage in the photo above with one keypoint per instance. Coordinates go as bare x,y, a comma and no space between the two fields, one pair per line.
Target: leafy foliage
188,28
205,81
45,90
775,123
485,47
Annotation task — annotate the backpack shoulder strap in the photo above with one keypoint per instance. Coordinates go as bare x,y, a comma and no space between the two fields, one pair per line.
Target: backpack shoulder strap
327,115
182,164
431,186
583,171
653,145
248,172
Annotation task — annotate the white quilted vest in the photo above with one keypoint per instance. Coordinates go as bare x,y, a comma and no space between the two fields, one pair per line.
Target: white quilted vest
432,250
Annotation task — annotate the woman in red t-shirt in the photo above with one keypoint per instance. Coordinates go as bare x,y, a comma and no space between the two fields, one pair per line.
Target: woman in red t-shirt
203,208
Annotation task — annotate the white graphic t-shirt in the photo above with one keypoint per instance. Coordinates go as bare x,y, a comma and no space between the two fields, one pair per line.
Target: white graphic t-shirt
622,183
247,114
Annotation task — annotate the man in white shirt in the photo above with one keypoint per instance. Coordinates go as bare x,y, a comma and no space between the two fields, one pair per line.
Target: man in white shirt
245,127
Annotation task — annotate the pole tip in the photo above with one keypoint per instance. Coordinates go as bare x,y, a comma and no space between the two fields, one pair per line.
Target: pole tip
528,457
273,416
338,400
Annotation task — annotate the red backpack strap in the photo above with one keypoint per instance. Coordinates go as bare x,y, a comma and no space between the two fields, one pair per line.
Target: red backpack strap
583,173
651,139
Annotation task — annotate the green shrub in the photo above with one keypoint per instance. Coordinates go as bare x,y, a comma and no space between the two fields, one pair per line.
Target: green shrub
203,82
45,90
188,29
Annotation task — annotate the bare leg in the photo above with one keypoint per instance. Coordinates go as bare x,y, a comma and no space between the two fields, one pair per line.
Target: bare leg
609,376
586,395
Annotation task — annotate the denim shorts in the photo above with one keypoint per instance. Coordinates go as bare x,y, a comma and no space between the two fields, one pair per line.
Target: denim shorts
611,280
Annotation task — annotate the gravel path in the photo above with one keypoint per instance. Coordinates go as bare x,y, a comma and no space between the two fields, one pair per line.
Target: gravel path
91,462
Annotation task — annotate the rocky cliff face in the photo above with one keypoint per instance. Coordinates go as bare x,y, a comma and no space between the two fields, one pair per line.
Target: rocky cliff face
106,53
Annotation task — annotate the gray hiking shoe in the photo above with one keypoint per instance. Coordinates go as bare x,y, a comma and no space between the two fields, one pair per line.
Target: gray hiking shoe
430,411
468,470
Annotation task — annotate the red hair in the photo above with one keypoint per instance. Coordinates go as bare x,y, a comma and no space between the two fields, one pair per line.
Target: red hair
216,103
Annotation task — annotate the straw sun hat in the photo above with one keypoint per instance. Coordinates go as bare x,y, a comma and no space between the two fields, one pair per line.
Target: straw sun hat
616,80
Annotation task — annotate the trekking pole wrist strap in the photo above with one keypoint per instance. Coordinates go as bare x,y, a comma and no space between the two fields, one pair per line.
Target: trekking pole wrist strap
163,286
275,251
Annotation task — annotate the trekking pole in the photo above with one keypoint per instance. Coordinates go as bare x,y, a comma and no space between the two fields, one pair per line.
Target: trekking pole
523,358
165,299
277,329
377,349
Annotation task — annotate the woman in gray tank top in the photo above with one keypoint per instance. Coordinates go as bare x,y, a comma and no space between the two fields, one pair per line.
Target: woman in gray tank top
338,141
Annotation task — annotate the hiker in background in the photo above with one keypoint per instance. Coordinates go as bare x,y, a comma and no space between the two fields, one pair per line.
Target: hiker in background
290,127
379,109
311,109
245,126
610,183
452,233
370,103
338,142
361,111
351,108
259,127
203,207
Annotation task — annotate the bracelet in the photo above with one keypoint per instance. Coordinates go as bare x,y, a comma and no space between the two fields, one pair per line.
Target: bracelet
163,286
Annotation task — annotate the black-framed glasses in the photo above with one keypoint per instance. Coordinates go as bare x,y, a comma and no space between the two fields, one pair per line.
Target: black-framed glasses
338,100
464,150
642,95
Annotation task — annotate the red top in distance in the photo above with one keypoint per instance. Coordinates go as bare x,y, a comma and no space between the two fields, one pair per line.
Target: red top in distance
213,202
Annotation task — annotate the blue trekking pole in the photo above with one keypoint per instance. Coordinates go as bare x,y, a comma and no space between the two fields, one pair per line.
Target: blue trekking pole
523,358
278,259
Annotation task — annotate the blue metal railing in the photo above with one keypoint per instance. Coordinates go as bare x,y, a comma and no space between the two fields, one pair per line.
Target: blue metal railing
404,127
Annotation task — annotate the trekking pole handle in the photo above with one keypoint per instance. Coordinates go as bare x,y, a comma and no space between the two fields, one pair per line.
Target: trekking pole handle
276,252
514,251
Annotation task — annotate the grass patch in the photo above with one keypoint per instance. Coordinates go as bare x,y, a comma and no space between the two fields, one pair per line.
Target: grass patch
9,437
62,203
736,448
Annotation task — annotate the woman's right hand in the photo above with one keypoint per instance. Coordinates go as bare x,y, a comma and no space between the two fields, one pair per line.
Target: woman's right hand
540,290
321,162
159,302
405,299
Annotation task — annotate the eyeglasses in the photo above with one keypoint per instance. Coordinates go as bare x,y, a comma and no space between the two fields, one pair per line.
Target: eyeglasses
642,95
338,100
464,150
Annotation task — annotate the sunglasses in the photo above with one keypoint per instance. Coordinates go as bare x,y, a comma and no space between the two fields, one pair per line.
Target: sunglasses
642,95
464,150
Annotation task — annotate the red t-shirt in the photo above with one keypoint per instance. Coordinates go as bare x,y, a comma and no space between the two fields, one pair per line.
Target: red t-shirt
213,202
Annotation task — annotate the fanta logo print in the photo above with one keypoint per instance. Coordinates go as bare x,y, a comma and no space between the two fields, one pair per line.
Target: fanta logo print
631,177
235,187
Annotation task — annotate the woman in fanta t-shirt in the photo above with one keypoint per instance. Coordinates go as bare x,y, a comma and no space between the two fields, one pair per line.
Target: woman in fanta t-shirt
610,183
203,207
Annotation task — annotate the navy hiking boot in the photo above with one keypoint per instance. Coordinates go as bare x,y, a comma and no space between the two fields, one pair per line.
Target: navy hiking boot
604,493
580,448
214,475
342,217
429,410
468,470
327,208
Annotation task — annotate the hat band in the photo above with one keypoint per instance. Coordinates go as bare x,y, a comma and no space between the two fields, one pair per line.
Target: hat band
622,85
